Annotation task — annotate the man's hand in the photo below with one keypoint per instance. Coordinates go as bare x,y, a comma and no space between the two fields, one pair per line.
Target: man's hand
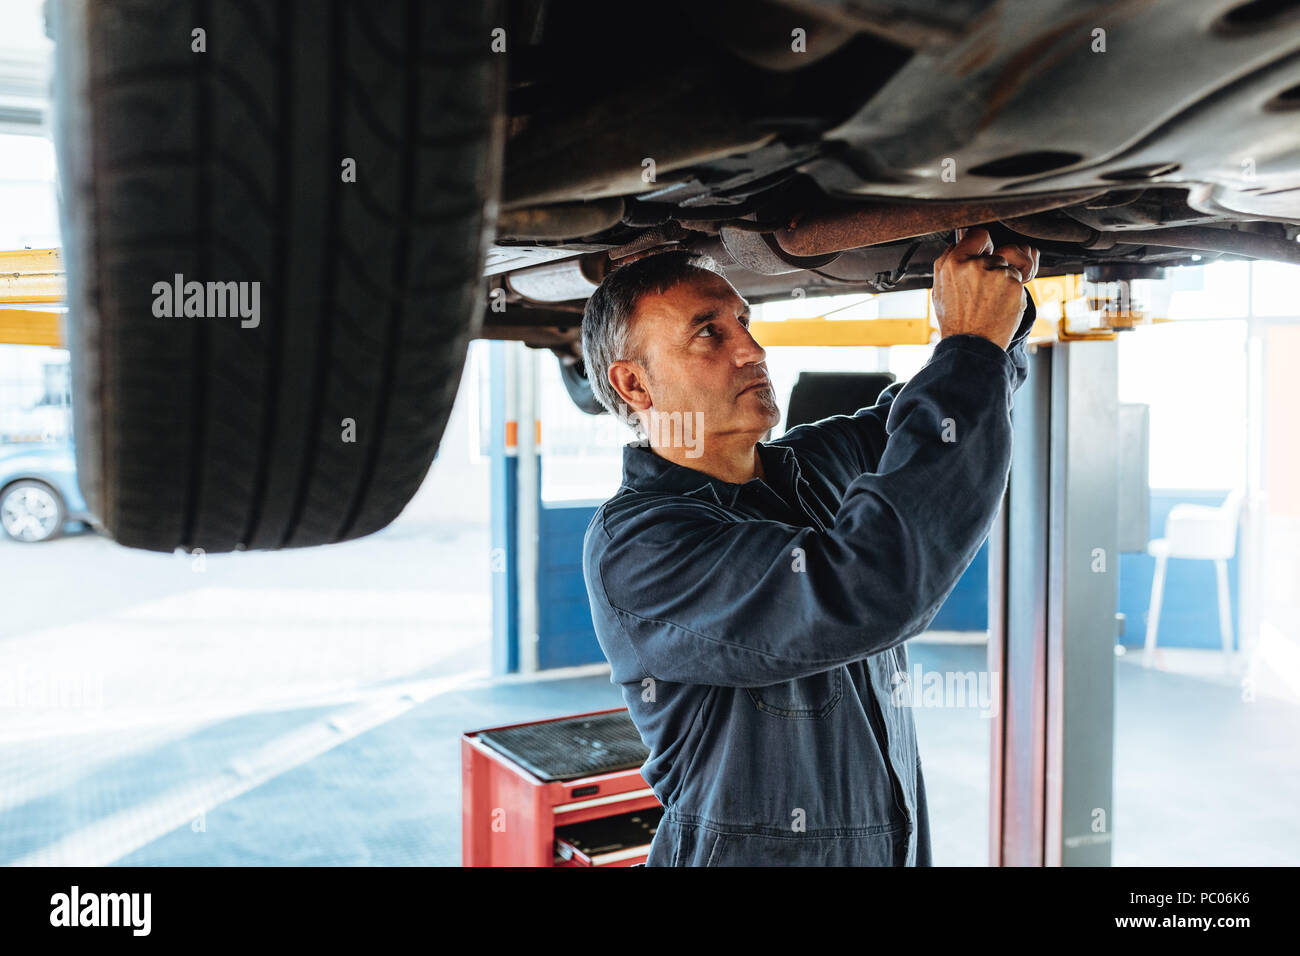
979,290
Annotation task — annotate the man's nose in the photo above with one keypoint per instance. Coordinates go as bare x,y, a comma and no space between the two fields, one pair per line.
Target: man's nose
748,351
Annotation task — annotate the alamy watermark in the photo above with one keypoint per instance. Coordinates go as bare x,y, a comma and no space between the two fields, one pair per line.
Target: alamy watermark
946,689
128,910
208,300
665,429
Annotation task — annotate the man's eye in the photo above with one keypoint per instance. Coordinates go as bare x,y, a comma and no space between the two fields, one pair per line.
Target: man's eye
707,328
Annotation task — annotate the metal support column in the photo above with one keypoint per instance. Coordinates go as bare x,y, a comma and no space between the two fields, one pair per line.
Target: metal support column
516,503
529,505
503,443
1053,594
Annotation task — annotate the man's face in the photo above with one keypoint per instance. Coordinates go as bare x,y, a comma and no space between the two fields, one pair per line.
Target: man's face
700,360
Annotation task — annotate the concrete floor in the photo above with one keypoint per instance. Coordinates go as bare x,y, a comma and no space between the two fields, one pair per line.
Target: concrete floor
271,710
1202,778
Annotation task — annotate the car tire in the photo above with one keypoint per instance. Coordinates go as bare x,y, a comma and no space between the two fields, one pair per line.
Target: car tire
342,162
19,498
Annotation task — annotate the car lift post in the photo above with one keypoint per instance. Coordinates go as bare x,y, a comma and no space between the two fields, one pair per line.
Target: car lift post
1053,583
514,450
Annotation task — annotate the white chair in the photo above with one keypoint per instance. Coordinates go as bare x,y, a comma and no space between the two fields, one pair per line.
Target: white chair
1201,533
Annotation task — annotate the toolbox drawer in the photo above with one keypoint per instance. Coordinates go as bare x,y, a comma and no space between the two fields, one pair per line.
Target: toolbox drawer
619,840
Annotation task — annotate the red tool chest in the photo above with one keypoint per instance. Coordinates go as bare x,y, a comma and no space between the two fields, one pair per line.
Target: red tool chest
567,791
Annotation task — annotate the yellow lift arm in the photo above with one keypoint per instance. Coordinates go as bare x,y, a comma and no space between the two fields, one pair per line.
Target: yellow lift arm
34,277
30,277
1056,297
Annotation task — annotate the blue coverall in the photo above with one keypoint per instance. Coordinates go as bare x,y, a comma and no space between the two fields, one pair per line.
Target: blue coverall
756,629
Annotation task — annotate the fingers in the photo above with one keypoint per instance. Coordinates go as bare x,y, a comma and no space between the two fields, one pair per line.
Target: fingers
1019,260
1023,257
970,244
991,262
974,242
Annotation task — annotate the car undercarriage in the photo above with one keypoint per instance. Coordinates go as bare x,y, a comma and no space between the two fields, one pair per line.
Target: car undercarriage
398,178
833,147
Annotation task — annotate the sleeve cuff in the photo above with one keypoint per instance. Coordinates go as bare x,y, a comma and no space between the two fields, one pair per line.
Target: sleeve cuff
975,345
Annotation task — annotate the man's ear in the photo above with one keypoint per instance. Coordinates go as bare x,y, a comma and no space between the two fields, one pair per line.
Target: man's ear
629,382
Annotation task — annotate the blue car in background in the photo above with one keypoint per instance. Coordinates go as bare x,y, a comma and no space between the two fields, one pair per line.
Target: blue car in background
38,491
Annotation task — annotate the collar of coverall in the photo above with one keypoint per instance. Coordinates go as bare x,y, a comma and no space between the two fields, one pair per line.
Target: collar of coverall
644,470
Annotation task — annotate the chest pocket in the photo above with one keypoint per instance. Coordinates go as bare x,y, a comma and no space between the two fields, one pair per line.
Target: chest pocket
810,698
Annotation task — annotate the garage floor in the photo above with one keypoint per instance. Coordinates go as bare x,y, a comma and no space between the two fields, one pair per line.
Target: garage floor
1201,776
293,709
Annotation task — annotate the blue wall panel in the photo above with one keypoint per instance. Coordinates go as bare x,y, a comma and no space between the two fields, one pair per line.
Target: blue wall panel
565,634
1189,618
967,608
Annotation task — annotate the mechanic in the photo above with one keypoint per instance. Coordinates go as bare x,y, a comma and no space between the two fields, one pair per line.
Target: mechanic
753,597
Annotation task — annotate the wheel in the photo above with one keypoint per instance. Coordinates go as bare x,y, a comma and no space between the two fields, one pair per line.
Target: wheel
327,175
31,511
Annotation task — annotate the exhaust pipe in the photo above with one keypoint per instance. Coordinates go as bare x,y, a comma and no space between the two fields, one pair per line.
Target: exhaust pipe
1201,238
869,225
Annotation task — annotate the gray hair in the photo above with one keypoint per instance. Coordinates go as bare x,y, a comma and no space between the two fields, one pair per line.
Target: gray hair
607,318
